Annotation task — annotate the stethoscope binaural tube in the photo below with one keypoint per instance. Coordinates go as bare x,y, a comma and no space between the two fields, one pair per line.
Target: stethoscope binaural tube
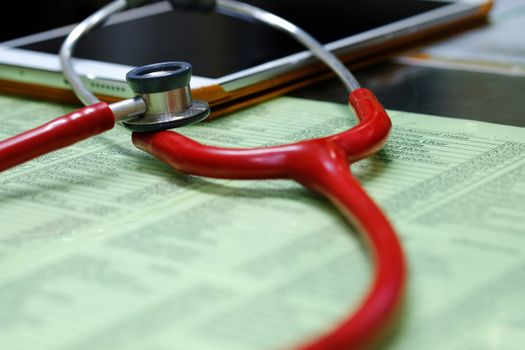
136,113
227,7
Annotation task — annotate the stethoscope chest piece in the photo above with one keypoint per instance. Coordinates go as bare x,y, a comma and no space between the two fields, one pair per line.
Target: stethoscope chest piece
165,89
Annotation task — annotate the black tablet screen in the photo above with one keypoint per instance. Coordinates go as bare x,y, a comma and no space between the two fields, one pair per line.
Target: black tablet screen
218,45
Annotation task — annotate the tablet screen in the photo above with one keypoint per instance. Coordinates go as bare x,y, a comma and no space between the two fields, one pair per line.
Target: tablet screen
218,45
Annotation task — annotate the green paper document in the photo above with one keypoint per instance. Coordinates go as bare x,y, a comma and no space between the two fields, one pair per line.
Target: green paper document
104,247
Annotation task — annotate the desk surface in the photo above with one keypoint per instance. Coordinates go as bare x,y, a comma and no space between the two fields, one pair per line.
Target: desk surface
479,96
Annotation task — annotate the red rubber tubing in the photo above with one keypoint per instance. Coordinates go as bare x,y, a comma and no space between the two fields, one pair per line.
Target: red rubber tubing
322,165
58,133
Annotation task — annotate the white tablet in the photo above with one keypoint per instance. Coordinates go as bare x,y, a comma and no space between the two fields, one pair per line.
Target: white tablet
234,62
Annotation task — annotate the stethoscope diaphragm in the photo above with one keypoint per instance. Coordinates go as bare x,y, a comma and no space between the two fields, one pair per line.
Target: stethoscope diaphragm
165,87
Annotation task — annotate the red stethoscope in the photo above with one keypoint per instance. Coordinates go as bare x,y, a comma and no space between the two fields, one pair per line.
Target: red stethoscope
163,101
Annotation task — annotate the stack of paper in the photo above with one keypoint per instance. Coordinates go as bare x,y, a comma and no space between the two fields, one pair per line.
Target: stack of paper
104,247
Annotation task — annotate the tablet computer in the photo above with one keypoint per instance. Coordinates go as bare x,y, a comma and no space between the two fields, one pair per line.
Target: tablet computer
235,63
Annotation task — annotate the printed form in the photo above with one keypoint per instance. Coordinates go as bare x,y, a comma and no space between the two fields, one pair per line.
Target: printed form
104,247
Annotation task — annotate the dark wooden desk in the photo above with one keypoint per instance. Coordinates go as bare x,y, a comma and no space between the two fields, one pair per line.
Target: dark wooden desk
452,93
